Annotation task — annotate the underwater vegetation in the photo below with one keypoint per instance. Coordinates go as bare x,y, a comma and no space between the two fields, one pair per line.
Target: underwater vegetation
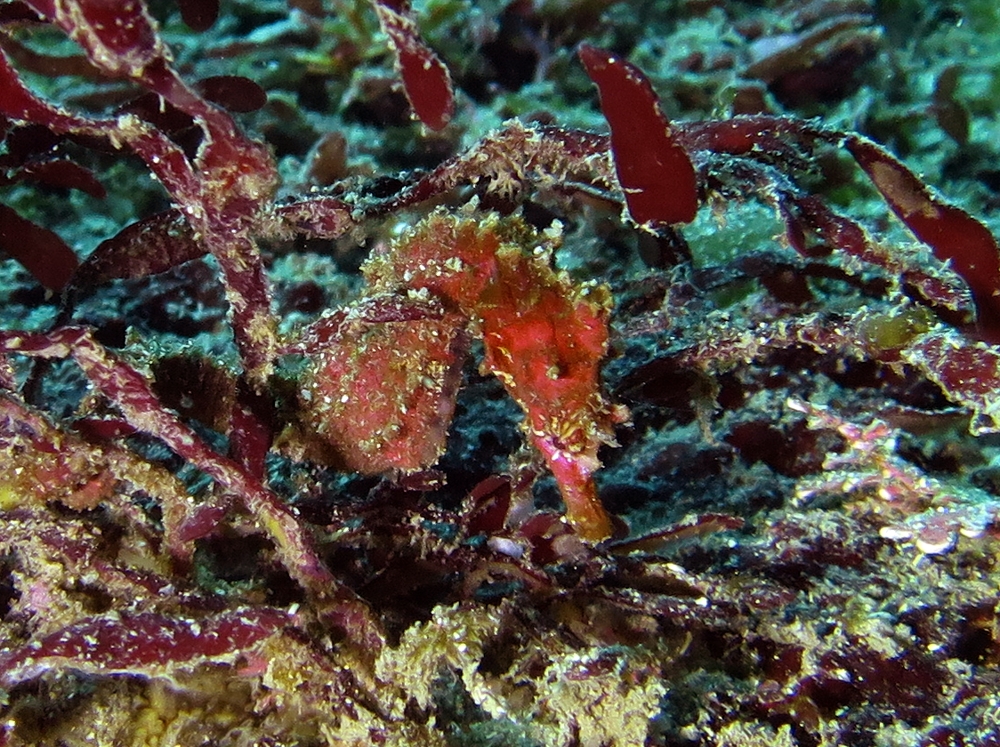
527,373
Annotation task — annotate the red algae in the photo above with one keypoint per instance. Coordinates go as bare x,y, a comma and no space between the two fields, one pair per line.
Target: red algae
276,493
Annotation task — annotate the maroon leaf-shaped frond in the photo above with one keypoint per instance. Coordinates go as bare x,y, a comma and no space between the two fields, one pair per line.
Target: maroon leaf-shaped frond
42,252
954,235
426,80
146,644
655,172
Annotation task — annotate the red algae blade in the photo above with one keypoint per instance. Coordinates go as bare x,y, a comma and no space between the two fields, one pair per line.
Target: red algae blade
954,235
426,80
42,252
655,172
145,644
